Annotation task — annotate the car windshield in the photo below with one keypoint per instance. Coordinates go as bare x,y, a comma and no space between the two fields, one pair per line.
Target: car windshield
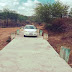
30,27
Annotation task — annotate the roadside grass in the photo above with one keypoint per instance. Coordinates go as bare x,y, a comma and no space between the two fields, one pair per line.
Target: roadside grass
5,36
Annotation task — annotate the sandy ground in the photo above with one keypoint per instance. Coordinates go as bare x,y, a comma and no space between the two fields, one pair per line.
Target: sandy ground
4,34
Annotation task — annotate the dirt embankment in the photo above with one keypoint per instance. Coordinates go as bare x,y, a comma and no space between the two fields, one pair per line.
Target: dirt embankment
61,39
4,34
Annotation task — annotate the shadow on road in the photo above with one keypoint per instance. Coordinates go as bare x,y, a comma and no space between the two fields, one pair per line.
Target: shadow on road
31,36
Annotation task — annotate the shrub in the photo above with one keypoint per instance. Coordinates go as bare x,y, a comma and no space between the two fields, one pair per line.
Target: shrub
3,26
9,39
58,25
48,26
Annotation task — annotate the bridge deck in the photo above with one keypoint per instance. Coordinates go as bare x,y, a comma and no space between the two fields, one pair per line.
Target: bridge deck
31,55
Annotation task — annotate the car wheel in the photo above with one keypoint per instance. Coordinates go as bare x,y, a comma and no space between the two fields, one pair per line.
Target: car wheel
35,36
24,36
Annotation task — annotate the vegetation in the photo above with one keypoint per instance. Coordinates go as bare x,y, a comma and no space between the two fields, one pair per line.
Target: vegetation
22,18
46,12
59,10
43,12
58,25
49,13
9,39
6,15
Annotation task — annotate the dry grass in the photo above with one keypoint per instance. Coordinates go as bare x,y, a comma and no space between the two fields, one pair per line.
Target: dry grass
4,34
63,39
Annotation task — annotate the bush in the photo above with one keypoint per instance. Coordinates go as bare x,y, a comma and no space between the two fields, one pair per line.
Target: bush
9,39
3,26
58,25
48,26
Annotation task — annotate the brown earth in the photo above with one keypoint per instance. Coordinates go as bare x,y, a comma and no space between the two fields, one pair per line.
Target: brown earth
4,34
62,39
56,40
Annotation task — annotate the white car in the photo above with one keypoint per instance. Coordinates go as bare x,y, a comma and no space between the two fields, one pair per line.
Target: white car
30,30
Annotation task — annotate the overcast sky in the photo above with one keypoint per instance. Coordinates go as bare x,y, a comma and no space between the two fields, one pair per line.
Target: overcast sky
66,2
26,7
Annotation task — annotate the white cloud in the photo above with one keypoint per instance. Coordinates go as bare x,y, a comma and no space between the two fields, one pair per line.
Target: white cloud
21,8
29,3
66,2
15,3
2,4
26,8
36,1
8,3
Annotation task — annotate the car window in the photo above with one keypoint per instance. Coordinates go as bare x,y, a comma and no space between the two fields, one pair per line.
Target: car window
30,27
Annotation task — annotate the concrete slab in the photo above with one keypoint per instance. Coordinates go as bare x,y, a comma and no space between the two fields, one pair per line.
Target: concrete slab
29,54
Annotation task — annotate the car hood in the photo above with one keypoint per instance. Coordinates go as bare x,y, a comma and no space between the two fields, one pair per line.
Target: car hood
30,29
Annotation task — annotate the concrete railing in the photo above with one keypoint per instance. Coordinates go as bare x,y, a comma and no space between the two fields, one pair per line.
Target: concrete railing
64,52
45,35
17,32
13,35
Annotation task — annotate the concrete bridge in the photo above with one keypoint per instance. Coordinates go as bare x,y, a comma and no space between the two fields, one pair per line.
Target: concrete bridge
29,54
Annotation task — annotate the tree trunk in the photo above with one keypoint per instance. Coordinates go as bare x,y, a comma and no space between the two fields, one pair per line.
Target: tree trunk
7,22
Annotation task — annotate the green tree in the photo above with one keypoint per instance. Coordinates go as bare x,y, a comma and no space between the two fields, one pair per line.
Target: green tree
1,15
46,12
43,12
6,15
13,16
58,9
9,15
22,18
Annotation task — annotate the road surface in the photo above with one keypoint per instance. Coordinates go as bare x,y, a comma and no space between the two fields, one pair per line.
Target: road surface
31,54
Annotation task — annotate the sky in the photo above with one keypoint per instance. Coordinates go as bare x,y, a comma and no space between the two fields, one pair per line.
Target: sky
26,7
